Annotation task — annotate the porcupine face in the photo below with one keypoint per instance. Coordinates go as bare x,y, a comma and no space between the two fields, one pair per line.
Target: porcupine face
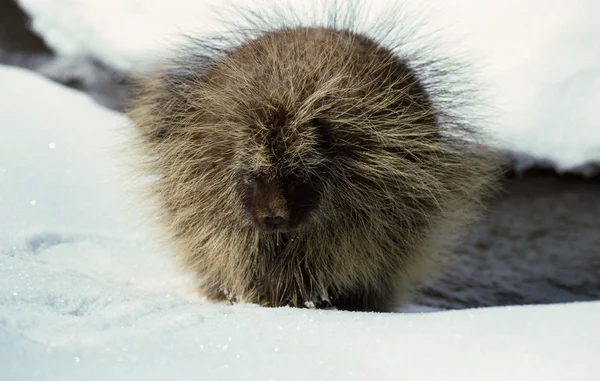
282,194
304,104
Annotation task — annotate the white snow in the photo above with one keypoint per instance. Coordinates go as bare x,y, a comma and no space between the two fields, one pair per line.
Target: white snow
539,58
84,295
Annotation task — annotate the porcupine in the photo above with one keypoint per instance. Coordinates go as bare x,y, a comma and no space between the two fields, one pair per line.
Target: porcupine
311,165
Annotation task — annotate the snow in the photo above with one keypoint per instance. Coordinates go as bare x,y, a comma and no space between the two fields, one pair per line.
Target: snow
539,58
84,294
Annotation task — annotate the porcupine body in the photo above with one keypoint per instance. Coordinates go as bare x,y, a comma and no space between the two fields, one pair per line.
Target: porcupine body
310,165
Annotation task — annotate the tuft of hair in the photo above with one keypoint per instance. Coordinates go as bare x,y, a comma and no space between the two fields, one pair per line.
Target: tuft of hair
323,162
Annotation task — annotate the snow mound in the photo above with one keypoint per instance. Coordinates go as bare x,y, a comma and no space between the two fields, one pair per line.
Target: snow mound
85,295
539,58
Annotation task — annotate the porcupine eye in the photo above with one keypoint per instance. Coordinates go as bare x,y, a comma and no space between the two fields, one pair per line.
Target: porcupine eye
300,179
302,192
247,179
324,137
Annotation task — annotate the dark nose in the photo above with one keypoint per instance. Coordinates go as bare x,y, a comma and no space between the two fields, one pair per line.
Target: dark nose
273,222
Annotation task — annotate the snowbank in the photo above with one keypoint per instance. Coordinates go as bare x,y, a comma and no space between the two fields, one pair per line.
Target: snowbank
56,169
83,294
539,57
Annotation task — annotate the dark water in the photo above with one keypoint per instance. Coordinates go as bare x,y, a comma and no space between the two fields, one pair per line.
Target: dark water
539,243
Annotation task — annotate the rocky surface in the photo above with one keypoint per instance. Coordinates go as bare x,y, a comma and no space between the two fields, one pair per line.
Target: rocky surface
539,242
20,46
15,35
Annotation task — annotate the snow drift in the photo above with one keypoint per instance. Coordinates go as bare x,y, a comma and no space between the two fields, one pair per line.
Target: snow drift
539,58
84,294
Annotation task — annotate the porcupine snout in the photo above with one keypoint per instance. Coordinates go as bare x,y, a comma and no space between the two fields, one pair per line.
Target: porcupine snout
279,203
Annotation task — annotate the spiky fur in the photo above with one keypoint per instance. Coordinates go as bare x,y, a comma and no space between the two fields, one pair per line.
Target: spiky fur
402,169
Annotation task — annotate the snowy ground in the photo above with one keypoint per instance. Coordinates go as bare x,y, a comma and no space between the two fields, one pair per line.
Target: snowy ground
540,58
83,294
